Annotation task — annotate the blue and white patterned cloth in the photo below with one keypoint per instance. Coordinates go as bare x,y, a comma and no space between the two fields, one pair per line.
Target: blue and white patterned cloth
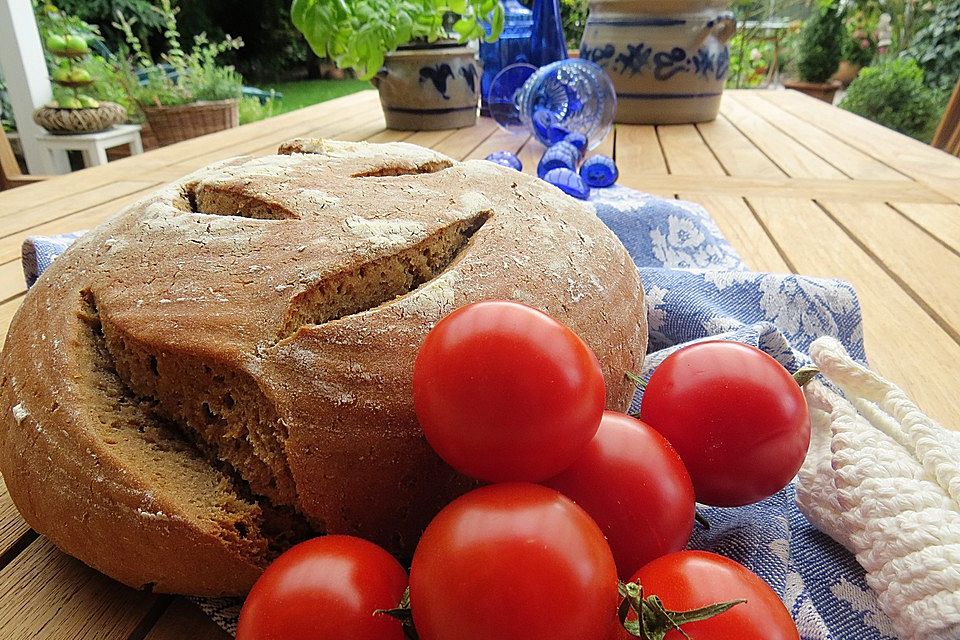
698,287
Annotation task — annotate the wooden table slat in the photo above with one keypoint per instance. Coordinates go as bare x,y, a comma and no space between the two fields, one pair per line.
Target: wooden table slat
911,157
65,599
13,529
735,152
942,221
229,142
851,161
638,153
685,152
792,157
926,269
740,226
903,342
464,141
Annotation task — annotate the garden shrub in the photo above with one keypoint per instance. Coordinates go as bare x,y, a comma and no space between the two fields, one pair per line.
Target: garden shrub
820,44
893,94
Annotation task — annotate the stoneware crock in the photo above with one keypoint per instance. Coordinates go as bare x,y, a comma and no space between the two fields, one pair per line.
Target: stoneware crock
432,87
668,58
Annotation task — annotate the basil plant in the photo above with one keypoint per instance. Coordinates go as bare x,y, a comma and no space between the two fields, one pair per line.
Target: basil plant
358,33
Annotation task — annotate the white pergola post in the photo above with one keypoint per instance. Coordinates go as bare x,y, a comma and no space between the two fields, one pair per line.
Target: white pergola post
25,73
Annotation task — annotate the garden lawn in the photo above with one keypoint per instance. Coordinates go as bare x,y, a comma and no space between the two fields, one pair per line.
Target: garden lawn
297,95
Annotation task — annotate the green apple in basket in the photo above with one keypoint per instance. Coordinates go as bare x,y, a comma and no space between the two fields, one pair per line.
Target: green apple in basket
61,74
56,44
80,75
76,45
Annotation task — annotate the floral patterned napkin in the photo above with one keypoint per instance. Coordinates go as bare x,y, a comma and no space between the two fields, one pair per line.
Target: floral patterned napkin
697,287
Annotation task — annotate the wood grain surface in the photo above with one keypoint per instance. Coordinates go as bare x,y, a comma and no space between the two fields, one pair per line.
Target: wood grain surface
795,184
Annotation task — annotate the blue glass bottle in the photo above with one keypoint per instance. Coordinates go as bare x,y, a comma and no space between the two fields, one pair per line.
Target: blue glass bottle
514,45
549,45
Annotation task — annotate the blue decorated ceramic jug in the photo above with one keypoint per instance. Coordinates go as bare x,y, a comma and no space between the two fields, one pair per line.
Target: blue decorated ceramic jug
668,59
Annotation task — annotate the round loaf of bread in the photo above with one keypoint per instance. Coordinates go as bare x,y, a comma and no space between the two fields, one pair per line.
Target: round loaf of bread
225,367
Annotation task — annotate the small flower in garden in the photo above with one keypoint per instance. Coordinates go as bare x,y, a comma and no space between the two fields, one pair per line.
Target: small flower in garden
864,44
755,54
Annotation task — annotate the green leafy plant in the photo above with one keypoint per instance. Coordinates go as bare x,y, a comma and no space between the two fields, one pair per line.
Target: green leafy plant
936,47
181,77
820,42
6,110
574,14
749,62
251,109
860,44
359,33
893,94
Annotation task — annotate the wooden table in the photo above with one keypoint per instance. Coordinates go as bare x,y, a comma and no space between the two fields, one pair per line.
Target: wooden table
795,184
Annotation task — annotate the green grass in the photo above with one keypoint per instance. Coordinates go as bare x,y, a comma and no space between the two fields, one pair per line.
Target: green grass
297,95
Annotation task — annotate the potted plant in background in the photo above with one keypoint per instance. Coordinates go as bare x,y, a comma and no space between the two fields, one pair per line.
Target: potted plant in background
410,49
187,94
819,53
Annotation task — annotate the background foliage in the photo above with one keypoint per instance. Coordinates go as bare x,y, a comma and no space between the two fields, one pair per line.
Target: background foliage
936,45
893,94
820,44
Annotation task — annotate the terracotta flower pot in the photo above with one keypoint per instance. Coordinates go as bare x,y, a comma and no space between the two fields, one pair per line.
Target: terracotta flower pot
668,59
820,90
427,88
846,73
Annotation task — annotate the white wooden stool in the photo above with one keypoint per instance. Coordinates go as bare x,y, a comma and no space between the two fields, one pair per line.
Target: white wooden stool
94,146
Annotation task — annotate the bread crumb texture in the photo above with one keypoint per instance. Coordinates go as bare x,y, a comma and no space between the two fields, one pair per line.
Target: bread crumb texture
232,356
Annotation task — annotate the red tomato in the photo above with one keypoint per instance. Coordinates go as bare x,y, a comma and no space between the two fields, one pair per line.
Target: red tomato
506,393
325,588
513,562
689,580
634,485
737,418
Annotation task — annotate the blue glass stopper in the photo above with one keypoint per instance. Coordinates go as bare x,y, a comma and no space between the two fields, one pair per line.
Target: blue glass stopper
599,171
546,126
578,140
506,159
562,154
568,182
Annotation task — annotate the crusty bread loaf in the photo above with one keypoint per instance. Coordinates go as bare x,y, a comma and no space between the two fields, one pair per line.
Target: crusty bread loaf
226,366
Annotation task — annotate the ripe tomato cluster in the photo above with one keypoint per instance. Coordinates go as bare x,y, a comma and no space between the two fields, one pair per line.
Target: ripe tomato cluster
582,497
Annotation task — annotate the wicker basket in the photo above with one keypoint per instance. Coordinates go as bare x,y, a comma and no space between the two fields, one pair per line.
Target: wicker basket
66,121
174,124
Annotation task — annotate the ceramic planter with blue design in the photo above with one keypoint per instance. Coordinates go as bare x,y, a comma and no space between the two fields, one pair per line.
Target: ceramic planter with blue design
668,59
429,87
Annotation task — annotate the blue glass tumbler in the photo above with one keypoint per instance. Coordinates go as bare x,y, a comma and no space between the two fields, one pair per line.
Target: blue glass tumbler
568,96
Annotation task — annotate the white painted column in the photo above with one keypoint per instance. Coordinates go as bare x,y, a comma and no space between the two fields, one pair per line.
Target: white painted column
25,73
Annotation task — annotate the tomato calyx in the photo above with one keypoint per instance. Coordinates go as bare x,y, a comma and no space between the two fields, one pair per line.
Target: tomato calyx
403,614
805,374
701,519
635,379
653,620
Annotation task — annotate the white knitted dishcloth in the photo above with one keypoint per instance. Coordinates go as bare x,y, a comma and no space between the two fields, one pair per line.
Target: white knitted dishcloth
883,479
